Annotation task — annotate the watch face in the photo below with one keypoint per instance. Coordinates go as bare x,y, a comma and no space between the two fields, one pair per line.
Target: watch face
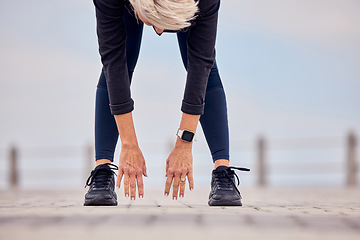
188,136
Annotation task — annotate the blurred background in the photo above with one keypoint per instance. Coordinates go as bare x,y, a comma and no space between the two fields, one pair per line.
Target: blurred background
290,69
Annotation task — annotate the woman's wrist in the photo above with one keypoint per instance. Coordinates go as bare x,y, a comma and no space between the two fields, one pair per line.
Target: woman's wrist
182,144
126,130
129,145
188,122
129,141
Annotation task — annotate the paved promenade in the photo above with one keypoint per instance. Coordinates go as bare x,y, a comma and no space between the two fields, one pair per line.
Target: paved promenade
267,214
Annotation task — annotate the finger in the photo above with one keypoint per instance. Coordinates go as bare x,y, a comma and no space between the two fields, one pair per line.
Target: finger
167,168
168,184
140,185
191,180
126,184
182,185
144,171
119,177
132,185
176,185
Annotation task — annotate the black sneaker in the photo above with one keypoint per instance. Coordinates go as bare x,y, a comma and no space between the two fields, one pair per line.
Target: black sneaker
102,185
224,192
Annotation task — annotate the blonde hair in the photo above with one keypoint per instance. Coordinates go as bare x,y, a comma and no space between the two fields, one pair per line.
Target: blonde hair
166,14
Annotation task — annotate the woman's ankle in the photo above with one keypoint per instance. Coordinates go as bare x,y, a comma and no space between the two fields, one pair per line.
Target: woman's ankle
102,161
221,162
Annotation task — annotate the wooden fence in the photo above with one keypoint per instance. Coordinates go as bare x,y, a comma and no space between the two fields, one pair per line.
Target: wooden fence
262,147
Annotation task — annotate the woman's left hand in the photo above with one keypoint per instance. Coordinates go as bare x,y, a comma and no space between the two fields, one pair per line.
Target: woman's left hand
178,167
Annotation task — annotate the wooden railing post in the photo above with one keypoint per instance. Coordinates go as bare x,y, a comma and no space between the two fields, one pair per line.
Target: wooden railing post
261,162
351,168
13,174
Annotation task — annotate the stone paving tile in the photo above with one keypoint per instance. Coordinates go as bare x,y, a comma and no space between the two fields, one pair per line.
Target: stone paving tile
271,213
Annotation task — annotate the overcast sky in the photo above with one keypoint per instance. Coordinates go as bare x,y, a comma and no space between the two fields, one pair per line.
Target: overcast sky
290,69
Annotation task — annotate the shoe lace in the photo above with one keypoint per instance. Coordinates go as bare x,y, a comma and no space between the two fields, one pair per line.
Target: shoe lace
101,175
224,177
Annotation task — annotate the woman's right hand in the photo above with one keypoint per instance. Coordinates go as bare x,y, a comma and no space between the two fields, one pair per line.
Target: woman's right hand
131,167
132,163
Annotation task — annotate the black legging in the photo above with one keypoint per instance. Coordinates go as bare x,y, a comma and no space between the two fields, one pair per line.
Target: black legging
214,120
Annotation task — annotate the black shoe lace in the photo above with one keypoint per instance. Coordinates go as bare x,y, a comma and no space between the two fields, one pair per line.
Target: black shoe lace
101,175
224,177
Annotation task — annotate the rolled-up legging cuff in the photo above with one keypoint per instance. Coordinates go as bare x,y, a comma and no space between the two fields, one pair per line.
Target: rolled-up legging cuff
104,156
217,157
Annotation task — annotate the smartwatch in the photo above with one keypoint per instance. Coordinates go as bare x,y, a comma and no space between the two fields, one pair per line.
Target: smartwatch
186,135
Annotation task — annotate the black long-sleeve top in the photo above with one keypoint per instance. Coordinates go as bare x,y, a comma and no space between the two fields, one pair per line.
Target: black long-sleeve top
201,54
